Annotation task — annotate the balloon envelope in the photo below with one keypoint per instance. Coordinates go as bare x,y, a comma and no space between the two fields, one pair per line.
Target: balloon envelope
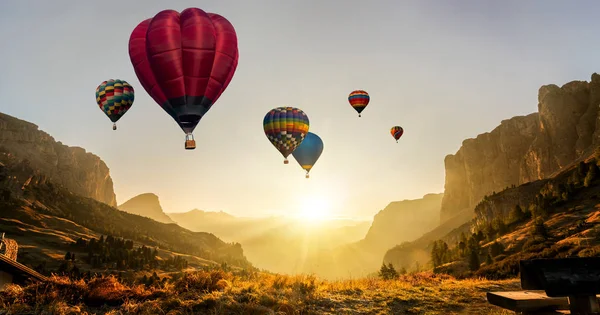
309,151
184,61
286,128
114,97
359,99
397,132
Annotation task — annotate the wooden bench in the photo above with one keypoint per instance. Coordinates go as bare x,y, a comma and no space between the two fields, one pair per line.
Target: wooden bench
554,286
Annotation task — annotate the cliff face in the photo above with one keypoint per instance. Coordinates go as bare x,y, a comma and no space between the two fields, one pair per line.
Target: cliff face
77,170
525,148
146,205
404,221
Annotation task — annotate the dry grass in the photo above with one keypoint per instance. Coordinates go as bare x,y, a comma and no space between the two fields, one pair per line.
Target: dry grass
219,292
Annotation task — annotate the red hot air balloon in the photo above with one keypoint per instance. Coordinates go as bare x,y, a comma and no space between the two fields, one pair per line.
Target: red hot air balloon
184,61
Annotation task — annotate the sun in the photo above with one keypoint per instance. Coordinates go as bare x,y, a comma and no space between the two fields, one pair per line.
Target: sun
315,209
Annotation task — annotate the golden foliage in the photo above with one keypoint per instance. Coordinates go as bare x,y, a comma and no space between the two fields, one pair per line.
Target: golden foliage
220,292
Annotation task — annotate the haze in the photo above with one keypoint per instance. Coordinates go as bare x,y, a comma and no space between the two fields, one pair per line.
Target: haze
443,70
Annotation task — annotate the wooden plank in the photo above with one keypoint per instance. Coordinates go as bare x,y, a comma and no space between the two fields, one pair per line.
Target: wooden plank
19,270
527,301
562,277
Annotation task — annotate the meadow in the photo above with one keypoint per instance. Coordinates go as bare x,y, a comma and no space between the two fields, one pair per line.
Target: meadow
241,292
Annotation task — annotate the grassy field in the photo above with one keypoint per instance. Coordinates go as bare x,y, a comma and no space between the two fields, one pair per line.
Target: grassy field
218,292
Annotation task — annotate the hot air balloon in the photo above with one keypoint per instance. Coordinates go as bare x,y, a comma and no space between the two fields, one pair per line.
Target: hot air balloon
359,99
397,132
114,97
308,152
286,128
185,62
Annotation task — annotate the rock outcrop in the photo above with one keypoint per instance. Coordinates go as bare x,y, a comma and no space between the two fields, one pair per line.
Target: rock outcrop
146,205
522,149
72,167
404,221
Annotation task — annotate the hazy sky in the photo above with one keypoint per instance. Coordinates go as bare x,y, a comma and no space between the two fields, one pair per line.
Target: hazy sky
443,70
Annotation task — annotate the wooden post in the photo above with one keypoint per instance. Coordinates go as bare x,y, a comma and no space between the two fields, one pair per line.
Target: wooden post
584,304
575,278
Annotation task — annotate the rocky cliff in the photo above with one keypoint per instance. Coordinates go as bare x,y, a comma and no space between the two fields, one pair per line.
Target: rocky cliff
146,205
406,220
525,148
77,170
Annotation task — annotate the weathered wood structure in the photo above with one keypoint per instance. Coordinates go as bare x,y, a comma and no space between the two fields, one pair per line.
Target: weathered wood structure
10,270
554,286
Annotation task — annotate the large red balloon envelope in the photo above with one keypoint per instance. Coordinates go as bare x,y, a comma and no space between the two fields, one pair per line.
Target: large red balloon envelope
185,62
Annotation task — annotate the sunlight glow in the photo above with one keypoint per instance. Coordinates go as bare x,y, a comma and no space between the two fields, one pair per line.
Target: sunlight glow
315,209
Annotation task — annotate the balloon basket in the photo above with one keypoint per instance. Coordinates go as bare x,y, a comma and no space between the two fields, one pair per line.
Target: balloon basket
286,161
190,143
359,115
307,176
114,126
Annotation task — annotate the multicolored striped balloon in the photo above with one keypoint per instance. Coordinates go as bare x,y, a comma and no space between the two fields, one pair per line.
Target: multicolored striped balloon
114,97
359,99
397,132
286,128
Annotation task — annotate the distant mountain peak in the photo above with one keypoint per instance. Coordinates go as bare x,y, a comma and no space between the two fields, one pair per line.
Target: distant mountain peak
147,205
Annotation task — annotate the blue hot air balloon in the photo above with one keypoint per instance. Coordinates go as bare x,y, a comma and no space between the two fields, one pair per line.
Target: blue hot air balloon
309,151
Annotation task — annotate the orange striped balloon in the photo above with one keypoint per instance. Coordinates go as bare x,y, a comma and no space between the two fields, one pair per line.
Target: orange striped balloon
359,99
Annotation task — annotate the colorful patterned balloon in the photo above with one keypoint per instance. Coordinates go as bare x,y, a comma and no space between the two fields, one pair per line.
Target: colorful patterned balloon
397,132
286,128
359,99
185,61
114,97
308,152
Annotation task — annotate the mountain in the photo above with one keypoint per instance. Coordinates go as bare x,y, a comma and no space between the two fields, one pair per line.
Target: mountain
79,171
46,218
400,221
48,205
517,158
550,218
146,205
525,148
277,244
404,220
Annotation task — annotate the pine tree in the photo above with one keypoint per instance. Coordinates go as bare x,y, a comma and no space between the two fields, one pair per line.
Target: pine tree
383,271
488,260
575,178
581,168
474,262
517,214
392,273
496,249
68,256
435,255
540,229
591,175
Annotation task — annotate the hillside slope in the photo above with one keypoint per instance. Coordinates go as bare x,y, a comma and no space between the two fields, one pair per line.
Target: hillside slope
554,217
41,205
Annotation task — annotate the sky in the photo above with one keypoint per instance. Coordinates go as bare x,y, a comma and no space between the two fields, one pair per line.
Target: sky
443,70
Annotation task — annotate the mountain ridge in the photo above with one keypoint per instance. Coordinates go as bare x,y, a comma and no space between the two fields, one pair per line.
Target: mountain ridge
73,167
525,148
